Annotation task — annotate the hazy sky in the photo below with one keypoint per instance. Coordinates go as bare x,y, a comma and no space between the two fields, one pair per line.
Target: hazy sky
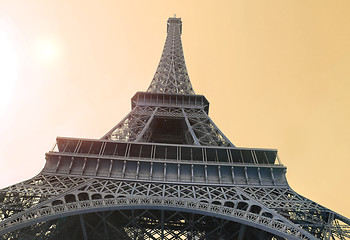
277,75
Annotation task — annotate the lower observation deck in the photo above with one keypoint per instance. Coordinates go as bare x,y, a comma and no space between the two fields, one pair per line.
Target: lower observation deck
166,162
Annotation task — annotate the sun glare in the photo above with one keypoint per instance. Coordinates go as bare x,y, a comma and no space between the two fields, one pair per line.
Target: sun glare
8,70
49,50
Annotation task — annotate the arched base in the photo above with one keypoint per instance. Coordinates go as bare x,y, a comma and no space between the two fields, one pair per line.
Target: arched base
139,224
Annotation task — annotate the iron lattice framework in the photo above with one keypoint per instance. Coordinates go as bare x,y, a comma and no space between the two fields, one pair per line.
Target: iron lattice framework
165,171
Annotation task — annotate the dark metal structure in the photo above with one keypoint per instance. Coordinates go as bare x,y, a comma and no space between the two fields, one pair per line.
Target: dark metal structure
166,171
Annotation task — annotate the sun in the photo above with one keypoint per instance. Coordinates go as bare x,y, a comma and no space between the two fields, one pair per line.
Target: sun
49,50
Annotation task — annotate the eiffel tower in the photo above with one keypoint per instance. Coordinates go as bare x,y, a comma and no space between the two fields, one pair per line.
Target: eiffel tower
165,171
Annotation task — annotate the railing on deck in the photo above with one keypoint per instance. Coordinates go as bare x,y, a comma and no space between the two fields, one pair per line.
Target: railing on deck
166,151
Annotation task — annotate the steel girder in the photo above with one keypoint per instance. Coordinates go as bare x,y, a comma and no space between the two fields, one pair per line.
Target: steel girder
55,196
105,195
139,224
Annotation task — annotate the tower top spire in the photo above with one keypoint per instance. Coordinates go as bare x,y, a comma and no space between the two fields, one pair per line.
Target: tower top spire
171,75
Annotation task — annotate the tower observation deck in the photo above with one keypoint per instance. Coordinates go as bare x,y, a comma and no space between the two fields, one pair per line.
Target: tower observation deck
165,171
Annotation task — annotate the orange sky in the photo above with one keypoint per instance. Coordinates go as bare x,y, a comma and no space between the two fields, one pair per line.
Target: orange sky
277,75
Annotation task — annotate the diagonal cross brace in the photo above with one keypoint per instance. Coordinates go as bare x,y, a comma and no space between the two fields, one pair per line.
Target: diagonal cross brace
139,137
195,139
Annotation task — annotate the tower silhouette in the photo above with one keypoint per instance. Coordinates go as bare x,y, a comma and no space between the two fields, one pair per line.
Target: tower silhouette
165,171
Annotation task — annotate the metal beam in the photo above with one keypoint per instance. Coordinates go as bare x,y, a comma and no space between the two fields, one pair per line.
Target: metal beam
139,137
242,232
195,139
83,228
222,134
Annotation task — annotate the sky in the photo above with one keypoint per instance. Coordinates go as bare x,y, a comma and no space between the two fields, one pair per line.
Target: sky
276,74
